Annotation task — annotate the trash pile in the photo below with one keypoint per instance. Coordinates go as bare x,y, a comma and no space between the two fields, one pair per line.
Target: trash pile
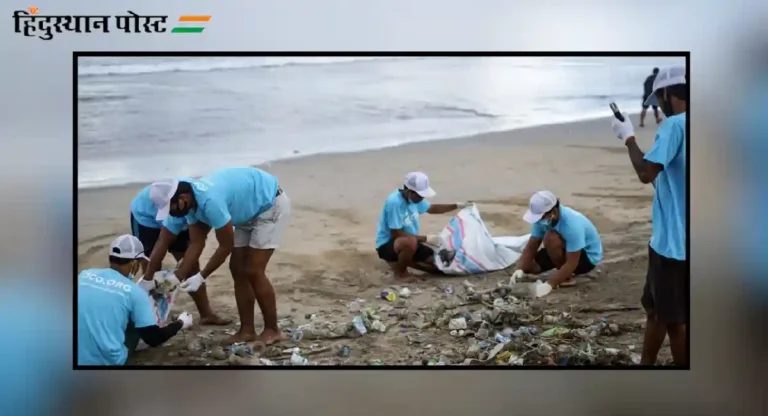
466,326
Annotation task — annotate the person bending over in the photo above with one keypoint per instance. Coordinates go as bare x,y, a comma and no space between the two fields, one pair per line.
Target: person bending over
250,213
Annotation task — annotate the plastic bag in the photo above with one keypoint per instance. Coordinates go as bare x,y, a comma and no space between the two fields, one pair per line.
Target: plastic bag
468,248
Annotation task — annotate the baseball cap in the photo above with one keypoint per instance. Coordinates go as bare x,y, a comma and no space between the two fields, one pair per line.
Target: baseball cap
541,203
127,247
160,193
419,182
672,75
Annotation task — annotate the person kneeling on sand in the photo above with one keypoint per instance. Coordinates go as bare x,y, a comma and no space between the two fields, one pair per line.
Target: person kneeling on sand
397,238
250,213
113,312
571,243
160,237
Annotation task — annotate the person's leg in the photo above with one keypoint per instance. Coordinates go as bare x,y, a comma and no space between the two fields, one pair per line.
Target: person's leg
642,115
200,297
555,246
674,313
266,238
244,297
148,237
656,114
424,260
655,331
405,248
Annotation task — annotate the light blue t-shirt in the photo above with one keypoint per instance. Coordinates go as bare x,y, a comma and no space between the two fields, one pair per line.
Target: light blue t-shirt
106,302
577,231
668,216
399,214
232,194
144,212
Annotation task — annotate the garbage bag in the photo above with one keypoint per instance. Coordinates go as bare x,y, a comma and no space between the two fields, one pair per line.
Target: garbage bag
466,246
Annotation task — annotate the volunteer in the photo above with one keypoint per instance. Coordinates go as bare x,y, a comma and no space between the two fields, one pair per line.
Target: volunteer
249,213
666,292
571,243
647,92
397,238
113,312
160,237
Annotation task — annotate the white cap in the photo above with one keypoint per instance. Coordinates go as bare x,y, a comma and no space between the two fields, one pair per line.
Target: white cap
541,203
666,77
419,182
160,193
127,247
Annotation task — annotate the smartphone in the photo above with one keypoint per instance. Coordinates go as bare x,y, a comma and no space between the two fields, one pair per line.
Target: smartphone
616,112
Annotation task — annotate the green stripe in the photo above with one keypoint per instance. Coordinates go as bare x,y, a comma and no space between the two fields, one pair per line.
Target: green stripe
187,30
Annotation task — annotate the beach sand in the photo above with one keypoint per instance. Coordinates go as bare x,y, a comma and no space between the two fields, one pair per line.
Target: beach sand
328,257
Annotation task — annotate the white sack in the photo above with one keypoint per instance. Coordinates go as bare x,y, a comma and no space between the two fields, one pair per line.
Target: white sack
475,250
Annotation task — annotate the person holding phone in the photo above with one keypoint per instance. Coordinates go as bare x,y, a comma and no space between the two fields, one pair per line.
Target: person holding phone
666,292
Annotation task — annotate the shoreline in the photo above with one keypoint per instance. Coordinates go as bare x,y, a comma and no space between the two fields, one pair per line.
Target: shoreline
486,138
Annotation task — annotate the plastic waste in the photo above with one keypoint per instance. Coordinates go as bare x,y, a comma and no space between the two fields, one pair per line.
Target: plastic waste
359,325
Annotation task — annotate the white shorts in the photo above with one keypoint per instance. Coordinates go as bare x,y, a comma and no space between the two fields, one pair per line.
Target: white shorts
266,230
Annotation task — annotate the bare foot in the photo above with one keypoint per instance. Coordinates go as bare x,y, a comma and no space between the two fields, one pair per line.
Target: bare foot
214,320
269,337
240,337
406,278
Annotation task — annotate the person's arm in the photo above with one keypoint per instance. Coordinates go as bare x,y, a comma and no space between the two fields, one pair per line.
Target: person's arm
562,274
155,336
158,252
646,171
668,144
220,220
526,263
197,233
575,238
441,208
226,237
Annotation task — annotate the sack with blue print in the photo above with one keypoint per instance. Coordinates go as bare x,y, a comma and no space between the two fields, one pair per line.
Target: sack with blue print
467,247
161,298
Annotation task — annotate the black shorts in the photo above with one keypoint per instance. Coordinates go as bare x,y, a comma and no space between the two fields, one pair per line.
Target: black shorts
645,97
545,263
149,236
423,253
667,288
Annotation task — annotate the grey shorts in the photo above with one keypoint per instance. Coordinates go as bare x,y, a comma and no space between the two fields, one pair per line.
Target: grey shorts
266,230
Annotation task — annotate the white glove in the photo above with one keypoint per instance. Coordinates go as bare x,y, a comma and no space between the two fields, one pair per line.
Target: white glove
518,274
540,289
462,205
434,240
193,283
147,285
186,320
170,277
623,129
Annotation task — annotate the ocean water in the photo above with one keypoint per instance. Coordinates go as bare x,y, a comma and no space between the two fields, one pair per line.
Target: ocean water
142,119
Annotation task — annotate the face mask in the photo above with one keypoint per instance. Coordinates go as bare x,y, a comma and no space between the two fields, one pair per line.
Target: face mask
546,223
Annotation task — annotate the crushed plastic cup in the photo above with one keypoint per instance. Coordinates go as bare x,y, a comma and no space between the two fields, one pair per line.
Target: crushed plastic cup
405,293
297,359
389,295
448,289
359,325
378,326
458,323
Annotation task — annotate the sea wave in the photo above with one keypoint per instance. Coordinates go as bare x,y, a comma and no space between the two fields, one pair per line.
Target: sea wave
112,67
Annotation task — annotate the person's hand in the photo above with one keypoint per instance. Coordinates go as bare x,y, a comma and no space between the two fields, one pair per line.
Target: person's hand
193,283
434,240
517,275
186,320
147,285
623,129
170,277
462,205
540,289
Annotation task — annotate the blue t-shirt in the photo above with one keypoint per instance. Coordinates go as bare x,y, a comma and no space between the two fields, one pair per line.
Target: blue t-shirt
668,216
399,214
144,212
232,194
577,231
106,302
